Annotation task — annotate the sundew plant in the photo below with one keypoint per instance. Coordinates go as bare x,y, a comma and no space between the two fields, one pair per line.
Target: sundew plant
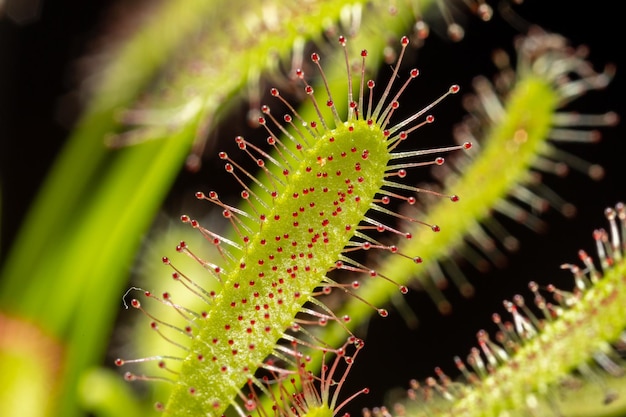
405,208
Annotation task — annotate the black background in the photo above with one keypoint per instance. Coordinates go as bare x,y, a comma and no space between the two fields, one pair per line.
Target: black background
38,62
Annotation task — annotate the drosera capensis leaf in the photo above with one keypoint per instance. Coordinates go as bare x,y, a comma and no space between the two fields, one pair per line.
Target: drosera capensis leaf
517,132
305,221
372,30
544,353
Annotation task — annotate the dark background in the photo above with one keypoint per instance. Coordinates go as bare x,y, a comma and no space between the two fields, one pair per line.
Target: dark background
38,62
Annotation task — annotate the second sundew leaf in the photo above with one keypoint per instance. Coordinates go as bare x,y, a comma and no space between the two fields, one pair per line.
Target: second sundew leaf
563,359
297,227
